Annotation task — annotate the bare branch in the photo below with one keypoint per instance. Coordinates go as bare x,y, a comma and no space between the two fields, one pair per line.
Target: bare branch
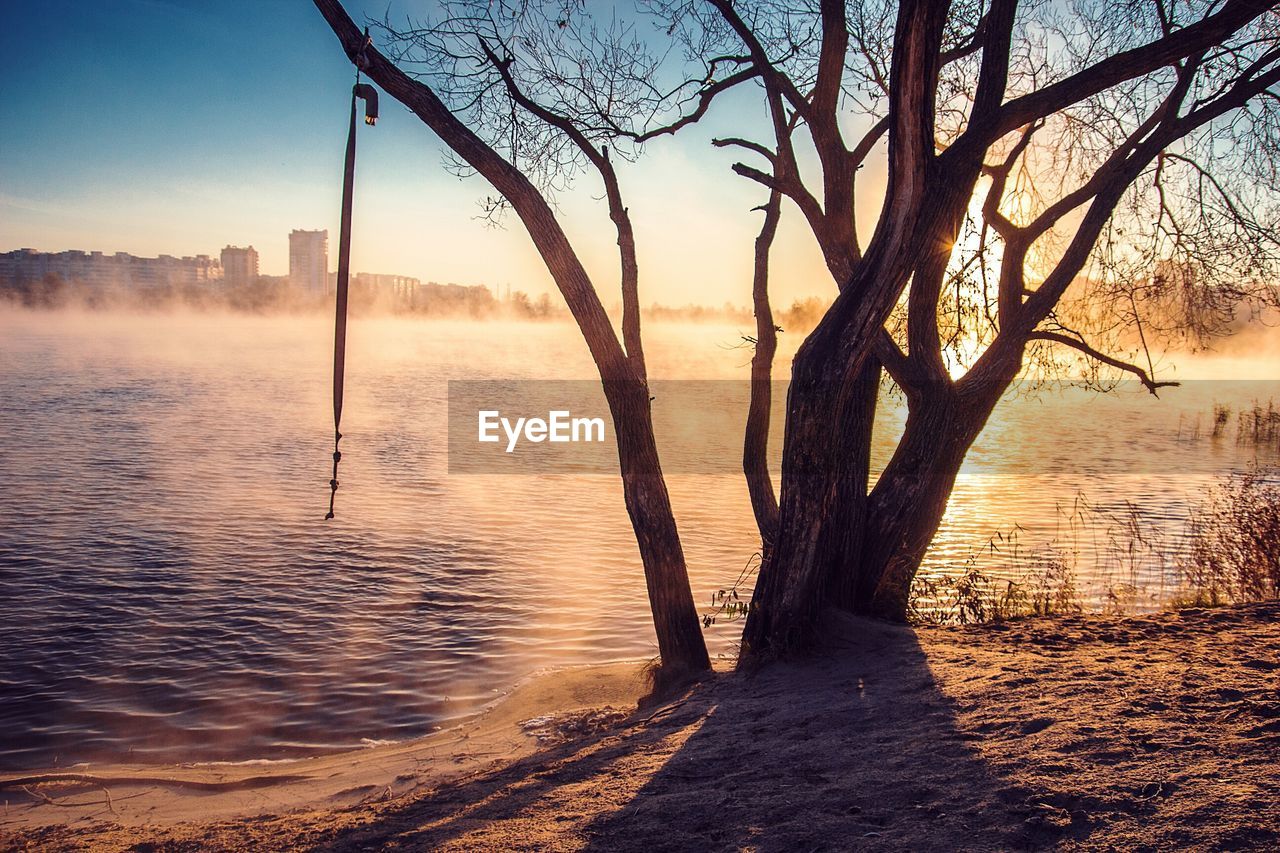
1078,344
599,157
1127,65
729,141
773,78
705,98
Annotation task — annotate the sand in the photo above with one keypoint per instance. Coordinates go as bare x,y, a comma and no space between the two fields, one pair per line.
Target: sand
546,707
1148,732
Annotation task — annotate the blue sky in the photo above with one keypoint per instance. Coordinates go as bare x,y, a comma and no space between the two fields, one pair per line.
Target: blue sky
177,126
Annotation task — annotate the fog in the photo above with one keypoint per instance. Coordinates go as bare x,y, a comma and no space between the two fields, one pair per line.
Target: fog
166,479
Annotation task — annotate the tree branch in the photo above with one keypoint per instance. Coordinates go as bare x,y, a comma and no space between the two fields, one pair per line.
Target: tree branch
773,78
899,367
789,185
707,95
1000,179
599,157
1125,65
993,76
860,151
1164,114
755,442
923,344
734,141
1078,344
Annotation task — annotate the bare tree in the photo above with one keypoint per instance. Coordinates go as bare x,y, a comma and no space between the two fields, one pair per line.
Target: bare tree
1026,144
504,69
1058,179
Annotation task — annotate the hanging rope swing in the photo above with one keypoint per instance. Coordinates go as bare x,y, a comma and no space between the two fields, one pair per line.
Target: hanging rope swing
365,92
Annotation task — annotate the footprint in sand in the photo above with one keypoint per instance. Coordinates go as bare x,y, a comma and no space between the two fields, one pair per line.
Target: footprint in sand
1270,728
1259,663
1039,724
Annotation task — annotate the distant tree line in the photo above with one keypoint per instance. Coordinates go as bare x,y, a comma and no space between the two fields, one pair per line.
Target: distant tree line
803,314
273,294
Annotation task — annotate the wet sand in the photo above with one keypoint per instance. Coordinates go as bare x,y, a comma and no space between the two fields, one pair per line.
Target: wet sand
1146,732
548,706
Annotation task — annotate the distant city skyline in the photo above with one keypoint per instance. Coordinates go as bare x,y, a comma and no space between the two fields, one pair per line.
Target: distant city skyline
105,271
98,279
230,126
239,265
234,266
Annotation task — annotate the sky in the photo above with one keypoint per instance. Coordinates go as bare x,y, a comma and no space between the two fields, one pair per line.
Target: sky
182,126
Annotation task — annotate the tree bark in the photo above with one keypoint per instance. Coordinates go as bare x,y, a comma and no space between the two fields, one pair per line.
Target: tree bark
675,618
908,502
847,528
824,487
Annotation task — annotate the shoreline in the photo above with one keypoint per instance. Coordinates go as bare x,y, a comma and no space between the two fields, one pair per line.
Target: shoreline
1073,732
164,794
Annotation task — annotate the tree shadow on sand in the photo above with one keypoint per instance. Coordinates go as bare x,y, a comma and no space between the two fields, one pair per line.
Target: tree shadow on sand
853,748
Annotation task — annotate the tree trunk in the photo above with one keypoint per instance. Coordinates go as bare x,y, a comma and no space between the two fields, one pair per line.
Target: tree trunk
755,438
822,501
675,618
866,549
909,500
846,529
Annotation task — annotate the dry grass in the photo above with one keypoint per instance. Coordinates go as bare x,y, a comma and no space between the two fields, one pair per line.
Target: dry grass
1227,553
1234,553
975,598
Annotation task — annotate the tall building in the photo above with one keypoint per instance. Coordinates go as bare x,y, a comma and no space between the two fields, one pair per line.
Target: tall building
239,266
309,261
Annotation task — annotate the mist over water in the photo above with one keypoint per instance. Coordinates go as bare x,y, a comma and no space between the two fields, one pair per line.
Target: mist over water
171,591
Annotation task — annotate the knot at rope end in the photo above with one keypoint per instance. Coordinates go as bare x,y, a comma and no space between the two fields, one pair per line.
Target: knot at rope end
333,483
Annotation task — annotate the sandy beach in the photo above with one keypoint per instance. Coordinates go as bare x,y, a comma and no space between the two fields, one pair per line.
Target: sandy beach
1145,732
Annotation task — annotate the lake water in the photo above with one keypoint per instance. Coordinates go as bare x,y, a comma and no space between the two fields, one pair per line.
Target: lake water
171,593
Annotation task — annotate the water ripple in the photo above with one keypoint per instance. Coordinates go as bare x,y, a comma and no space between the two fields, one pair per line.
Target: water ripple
170,590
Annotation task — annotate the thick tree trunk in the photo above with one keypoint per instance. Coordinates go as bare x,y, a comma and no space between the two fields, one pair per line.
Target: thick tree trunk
824,486
846,529
866,549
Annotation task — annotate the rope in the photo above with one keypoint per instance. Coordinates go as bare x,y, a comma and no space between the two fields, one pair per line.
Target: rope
344,265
